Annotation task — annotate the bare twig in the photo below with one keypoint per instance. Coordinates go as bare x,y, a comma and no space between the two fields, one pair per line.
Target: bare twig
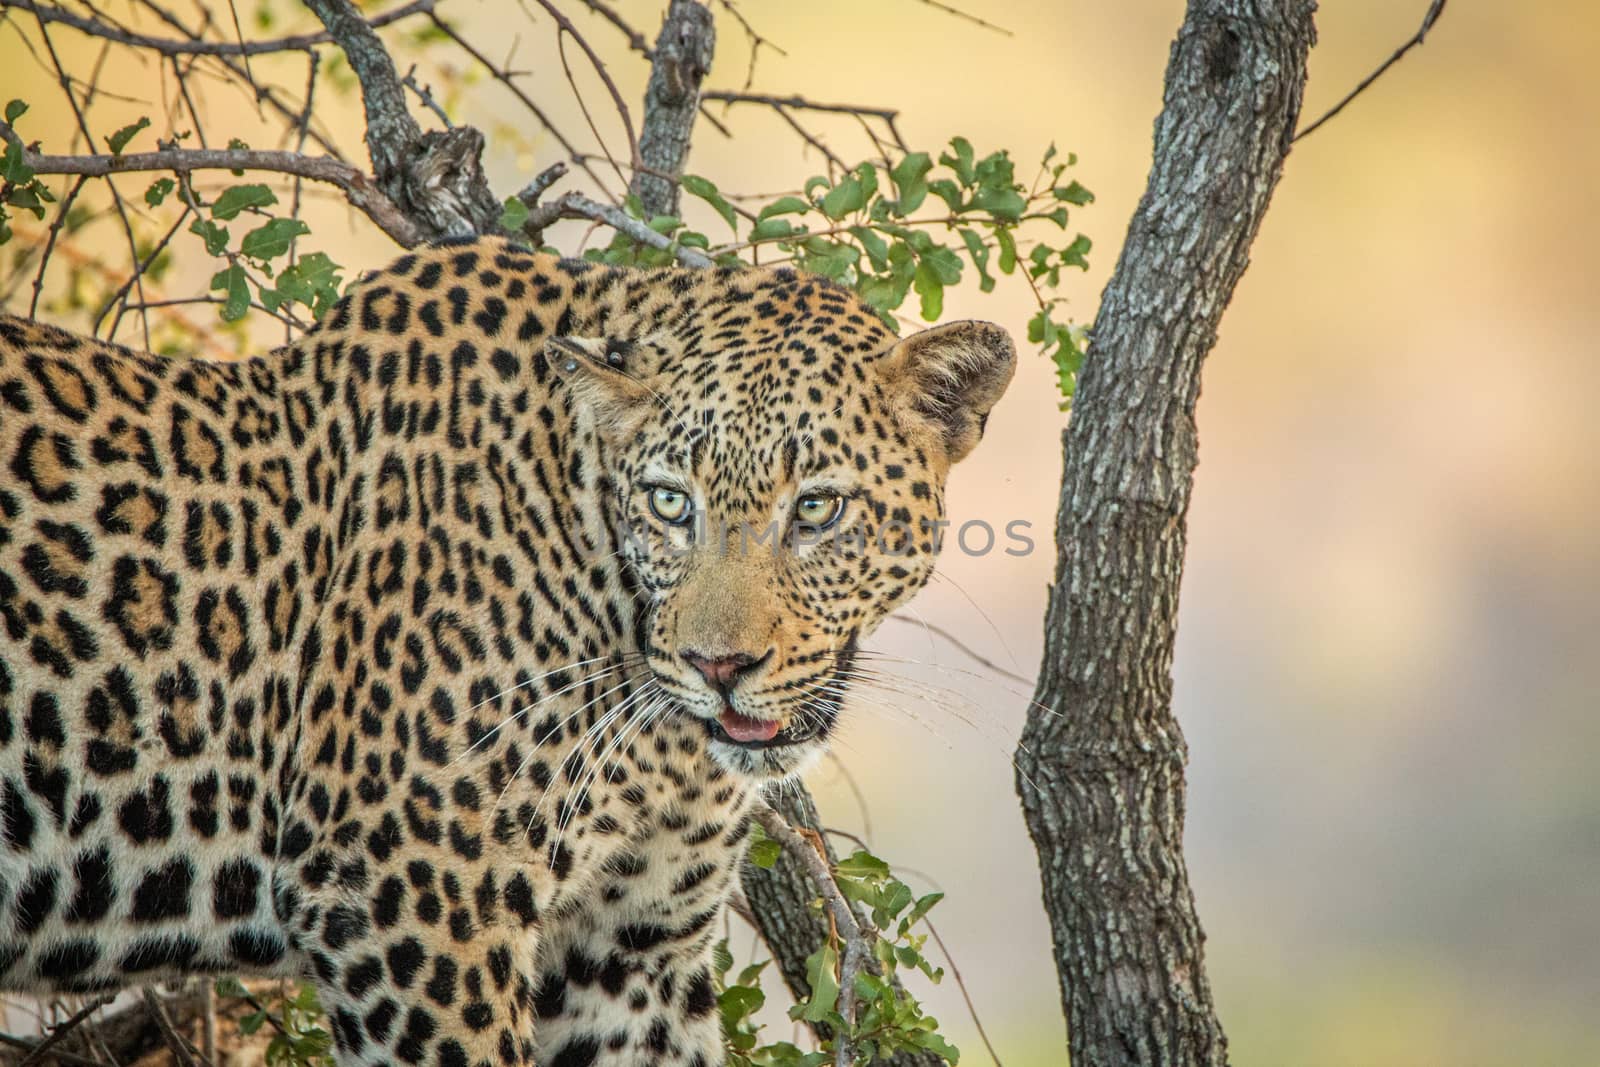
425,97
1435,9
636,40
974,19
357,187
50,242
168,46
578,206
138,272
856,935
531,192
26,1046
755,39
566,27
962,647
65,1028
797,102
507,78
181,1049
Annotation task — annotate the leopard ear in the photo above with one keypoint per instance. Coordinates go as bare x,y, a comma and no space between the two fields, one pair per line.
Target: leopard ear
952,376
598,374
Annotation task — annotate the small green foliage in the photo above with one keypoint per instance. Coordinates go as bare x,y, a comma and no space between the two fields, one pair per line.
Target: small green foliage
119,140
19,187
513,214
911,226
239,198
235,288
764,851
272,239
156,195
299,1038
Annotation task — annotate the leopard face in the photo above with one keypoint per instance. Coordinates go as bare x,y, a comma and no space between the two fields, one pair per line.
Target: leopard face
775,505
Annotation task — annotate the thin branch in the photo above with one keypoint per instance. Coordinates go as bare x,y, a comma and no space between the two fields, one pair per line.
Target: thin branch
425,97
531,192
1435,9
265,94
506,78
962,647
974,19
168,46
180,1048
120,296
755,39
50,242
578,206
357,187
795,101
636,40
62,1030
569,29
856,935
25,1045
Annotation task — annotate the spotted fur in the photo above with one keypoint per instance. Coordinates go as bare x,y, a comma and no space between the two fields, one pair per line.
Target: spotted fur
366,660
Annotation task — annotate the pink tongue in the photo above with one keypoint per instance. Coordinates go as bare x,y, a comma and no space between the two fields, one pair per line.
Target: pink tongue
741,728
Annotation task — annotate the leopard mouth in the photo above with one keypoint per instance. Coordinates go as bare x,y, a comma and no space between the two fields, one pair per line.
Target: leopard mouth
743,731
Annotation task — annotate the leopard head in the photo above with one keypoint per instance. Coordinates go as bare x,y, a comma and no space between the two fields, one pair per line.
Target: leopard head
775,497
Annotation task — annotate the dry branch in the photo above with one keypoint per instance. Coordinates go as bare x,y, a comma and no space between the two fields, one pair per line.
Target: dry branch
168,46
357,187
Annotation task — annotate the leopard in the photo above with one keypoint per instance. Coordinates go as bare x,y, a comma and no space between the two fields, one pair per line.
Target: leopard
439,656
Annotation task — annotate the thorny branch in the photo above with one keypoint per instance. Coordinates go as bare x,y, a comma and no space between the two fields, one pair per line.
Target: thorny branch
1435,9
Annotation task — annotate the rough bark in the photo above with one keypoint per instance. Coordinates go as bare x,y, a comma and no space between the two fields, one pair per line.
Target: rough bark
436,177
1101,776
671,101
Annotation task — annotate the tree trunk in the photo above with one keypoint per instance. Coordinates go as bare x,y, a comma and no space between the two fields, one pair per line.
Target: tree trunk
672,101
1101,774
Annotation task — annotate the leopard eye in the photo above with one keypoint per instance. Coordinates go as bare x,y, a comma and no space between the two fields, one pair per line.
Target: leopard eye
819,510
671,506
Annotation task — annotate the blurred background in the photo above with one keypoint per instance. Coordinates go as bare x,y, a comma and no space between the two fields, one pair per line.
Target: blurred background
1389,650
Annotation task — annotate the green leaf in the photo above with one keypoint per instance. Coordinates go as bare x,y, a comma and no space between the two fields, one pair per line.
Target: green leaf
721,958
513,214
768,229
15,110
706,191
787,205
910,178
961,161
1074,254
230,987
215,237
877,248
664,224
765,854
861,864
1074,194
158,191
1008,248
238,198
237,289
846,198
948,191
931,289
12,167
822,976
814,183
980,258
119,140
272,239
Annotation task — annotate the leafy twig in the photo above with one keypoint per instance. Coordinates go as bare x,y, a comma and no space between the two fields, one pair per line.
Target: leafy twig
357,187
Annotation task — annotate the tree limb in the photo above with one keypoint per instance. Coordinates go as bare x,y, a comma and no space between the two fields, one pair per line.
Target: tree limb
578,206
357,187
391,131
672,98
1101,760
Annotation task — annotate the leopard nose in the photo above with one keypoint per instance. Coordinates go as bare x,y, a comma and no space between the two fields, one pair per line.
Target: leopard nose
722,673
